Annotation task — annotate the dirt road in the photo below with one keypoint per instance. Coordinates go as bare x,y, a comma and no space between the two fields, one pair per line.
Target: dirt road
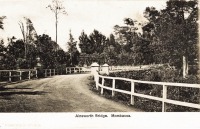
63,93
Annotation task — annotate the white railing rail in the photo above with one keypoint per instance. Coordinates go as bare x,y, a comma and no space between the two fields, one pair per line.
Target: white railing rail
128,68
50,72
67,70
31,73
164,98
77,70
24,74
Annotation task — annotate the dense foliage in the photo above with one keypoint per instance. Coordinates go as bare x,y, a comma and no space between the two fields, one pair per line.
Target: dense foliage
26,53
169,36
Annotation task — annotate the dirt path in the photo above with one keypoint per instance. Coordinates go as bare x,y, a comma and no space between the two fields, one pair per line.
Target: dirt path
64,93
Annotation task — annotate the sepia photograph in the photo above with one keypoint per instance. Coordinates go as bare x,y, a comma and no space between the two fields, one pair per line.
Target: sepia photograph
113,60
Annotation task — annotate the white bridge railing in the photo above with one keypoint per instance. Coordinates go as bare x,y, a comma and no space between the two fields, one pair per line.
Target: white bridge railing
7,76
77,70
68,70
127,68
164,85
21,74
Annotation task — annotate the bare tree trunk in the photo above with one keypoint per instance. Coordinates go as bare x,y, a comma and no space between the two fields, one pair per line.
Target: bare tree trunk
56,25
57,8
185,66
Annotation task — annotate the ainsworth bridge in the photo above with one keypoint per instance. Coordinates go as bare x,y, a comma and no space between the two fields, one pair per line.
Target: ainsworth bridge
70,92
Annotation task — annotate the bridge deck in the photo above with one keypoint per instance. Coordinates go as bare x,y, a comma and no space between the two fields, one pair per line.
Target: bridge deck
64,93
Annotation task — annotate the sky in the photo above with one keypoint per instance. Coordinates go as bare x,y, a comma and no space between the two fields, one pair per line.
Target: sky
86,15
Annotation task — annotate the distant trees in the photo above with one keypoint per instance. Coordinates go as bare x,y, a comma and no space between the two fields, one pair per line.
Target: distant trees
124,49
93,47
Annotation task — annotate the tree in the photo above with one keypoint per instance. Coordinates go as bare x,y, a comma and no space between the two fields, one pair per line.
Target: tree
2,54
113,45
62,57
98,42
85,44
134,46
72,50
51,55
57,8
111,50
29,34
15,55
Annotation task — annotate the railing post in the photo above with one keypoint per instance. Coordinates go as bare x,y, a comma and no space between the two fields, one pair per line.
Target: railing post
94,68
132,92
113,88
20,75
102,85
105,69
66,70
36,74
70,71
50,72
164,98
29,74
96,78
10,76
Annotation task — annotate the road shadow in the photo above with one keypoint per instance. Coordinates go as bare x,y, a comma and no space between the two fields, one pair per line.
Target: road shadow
5,88
9,93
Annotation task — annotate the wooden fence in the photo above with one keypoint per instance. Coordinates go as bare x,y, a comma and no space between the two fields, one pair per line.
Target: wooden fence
17,75
132,92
